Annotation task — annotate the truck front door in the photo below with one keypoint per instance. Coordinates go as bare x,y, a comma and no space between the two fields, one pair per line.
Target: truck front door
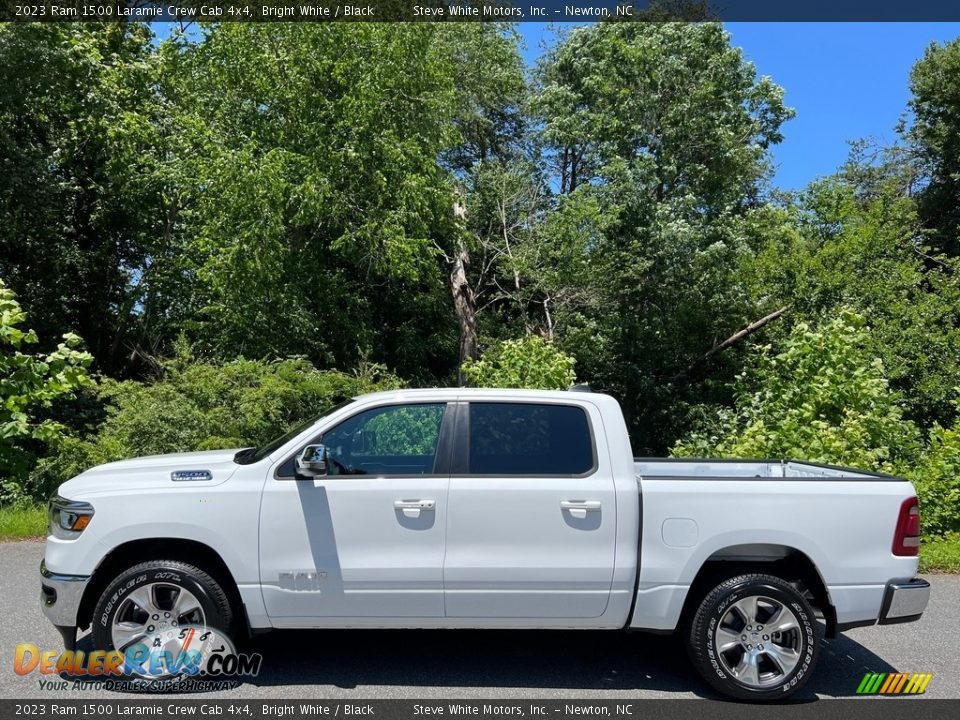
363,544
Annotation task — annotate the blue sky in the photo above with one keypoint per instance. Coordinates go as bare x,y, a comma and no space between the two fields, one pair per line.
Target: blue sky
845,80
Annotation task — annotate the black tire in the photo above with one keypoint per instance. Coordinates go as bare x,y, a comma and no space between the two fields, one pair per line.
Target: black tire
714,625
217,612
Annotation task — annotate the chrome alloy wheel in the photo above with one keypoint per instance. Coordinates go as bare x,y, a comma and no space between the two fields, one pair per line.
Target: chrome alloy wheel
758,641
153,609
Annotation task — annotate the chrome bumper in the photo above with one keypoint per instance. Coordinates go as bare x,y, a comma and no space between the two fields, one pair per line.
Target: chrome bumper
904,601
60,596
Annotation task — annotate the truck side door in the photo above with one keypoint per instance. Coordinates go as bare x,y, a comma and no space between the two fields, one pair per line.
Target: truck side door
531,526
367,539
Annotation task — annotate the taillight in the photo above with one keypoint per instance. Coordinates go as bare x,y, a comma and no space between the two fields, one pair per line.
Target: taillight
906,539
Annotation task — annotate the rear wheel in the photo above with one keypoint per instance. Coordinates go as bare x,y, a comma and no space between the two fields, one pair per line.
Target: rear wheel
754,637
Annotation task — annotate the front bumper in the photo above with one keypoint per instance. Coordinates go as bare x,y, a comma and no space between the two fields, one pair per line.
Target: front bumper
904,601
60,596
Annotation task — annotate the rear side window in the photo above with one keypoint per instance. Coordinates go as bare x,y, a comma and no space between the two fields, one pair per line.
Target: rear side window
529,439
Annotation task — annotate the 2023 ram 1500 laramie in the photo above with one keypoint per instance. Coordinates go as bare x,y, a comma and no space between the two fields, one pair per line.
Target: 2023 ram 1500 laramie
471,508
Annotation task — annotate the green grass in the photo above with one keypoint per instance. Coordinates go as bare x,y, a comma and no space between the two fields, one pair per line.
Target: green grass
940,554
23,522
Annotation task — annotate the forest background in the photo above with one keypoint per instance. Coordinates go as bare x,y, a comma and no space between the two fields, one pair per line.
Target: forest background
208,237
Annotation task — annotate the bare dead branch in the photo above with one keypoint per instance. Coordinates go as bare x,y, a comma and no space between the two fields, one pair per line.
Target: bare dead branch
734,339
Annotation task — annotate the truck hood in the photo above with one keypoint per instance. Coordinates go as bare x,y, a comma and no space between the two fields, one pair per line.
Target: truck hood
150,472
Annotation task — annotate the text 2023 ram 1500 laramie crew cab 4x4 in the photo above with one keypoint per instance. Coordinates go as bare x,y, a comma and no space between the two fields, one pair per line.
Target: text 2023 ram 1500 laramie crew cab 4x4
471,508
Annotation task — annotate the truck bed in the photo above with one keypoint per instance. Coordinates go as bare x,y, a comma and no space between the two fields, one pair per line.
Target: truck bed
841,520
744,469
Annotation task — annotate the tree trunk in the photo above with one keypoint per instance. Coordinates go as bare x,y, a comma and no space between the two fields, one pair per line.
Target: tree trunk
549,318
464,300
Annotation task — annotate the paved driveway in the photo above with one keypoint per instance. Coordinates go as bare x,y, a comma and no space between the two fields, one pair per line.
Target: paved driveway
499,664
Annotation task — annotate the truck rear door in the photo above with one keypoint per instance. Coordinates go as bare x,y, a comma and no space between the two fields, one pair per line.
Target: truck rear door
531,518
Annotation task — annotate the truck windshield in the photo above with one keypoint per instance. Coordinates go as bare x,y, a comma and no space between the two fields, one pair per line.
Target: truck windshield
255,454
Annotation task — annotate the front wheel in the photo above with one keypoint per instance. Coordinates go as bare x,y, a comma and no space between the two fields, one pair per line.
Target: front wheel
754,638
161,606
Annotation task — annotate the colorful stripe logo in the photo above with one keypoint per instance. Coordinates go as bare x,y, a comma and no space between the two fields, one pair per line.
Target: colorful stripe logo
894,683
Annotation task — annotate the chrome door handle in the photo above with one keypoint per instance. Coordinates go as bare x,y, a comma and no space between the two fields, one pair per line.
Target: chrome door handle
579,508
414,504
413,508
580,504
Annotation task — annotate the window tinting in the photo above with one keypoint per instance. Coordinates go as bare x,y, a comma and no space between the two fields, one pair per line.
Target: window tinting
529,439
393,440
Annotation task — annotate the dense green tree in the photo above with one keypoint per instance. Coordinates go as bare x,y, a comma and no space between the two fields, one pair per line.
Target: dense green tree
79,211
491,167
667,127
934,136
854,241
490,94
311,170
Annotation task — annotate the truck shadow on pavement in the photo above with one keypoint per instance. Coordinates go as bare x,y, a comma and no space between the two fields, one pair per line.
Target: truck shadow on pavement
594,661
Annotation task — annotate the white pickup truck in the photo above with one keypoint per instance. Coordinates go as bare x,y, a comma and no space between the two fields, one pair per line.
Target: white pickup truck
471,508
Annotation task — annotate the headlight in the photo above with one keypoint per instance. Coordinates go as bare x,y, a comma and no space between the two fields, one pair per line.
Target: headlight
69,518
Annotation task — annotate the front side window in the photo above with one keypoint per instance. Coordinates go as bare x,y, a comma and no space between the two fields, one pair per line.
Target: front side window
529,439
392,440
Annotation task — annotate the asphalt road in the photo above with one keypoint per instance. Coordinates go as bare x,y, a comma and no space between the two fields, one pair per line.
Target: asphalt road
497,664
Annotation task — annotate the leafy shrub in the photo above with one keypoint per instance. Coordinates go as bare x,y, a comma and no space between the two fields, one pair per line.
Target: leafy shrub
820,398
203,406
936,476
526,363
29,384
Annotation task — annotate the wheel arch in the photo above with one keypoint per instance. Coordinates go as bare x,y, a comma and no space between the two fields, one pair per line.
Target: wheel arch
130,553
783,561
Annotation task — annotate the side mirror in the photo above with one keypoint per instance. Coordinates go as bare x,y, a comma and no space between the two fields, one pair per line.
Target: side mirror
313,461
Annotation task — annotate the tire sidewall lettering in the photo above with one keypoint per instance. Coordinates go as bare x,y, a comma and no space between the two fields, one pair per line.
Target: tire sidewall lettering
118,595
143,578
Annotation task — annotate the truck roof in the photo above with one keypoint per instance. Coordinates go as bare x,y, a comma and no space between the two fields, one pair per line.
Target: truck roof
486,393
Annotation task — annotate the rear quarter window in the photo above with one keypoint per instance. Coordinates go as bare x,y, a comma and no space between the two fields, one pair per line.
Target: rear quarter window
529,439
